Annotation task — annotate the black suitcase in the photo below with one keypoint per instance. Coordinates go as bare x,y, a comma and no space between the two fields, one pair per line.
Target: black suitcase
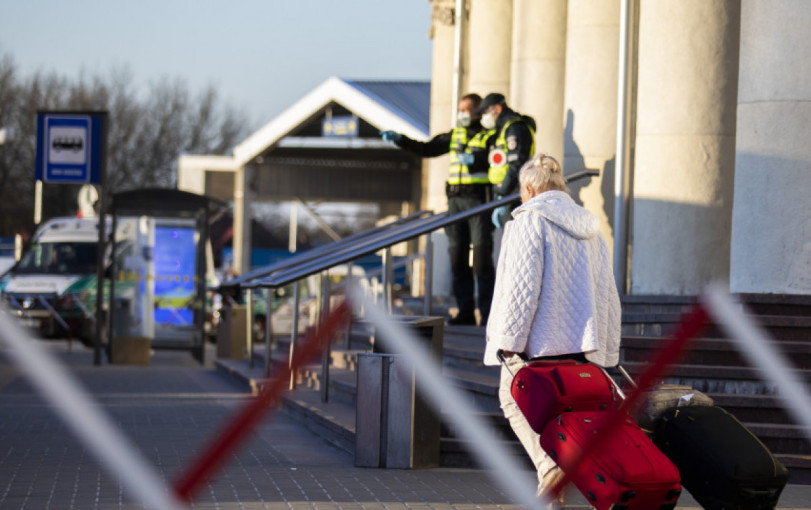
722,464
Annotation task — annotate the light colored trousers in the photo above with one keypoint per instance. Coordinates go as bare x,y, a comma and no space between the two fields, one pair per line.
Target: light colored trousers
531,441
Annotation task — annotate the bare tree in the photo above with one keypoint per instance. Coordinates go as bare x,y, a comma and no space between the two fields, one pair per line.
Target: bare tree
147,133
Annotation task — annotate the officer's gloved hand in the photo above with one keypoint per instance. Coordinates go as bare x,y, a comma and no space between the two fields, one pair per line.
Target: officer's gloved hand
498,213
466,158
391,136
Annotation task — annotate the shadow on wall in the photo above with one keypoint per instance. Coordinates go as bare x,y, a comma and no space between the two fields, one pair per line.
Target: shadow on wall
574,162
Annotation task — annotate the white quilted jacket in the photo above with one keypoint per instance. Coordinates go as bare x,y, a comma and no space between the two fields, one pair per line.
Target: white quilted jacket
555,291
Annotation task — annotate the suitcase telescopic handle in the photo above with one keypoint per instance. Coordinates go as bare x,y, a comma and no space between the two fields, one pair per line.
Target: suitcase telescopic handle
500,356
625,374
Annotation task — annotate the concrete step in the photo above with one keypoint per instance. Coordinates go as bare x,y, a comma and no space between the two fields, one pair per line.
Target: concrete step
757,304
709,351
718,379
777,304
657,304
780,327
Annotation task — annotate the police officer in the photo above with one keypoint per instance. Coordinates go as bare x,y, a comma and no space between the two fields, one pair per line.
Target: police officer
511,146
468,186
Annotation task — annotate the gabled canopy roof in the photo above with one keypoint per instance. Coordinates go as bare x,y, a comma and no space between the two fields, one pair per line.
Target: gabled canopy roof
396,105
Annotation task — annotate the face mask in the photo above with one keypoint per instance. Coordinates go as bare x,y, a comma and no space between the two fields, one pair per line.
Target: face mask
463,119
488,121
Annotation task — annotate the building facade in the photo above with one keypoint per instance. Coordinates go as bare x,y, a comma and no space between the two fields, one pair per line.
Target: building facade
697,113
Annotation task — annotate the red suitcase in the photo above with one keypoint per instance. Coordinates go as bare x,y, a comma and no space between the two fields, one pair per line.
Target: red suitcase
626,471
544,389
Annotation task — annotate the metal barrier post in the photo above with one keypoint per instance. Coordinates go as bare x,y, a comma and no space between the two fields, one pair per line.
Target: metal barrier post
347,285
249,328
429,274
387,279
268,328
294,333
326,348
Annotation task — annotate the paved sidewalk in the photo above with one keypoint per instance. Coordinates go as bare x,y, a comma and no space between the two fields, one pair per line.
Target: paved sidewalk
171,409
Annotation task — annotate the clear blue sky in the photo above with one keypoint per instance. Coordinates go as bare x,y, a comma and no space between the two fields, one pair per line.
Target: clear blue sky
261,55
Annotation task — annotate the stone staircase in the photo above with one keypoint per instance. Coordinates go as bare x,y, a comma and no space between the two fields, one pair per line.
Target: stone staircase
711,364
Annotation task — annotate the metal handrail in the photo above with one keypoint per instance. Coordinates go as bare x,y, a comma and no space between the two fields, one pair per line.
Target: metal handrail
320,251
373,244
350,251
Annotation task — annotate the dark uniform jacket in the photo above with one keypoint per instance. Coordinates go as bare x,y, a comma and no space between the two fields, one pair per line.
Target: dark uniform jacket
519,149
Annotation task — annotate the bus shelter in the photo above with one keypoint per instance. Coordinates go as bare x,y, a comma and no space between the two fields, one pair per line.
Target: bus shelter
159,269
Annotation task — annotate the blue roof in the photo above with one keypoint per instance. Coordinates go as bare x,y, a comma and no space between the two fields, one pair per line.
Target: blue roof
409,99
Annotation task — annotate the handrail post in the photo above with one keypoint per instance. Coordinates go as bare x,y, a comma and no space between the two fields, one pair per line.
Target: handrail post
268,328
348,282
294,334
387,279
326,349
249,329
429,274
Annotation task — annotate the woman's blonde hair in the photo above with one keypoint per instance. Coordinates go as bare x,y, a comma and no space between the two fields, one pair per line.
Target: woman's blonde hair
542,173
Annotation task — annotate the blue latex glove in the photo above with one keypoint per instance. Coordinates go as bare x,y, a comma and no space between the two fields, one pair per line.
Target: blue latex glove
498,212
466,158
391,136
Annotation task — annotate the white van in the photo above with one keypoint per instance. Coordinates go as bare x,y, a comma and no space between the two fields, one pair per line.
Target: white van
61,261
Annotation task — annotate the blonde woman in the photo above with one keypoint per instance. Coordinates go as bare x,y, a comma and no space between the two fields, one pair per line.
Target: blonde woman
555,295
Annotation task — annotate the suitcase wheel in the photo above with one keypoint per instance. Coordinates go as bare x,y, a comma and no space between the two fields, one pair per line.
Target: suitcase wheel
674,495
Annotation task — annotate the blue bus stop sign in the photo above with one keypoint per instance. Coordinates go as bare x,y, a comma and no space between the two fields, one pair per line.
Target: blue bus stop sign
69,148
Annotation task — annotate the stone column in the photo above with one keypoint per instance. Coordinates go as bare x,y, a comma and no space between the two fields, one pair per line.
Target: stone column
771,219
241,240
590,116
489,46
685,144
538,65
435,170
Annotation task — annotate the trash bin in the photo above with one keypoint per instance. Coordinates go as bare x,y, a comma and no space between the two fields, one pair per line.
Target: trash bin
122,323
430,329
395,426
232,332
127,347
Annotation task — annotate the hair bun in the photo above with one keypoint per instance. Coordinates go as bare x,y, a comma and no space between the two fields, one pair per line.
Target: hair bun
551,164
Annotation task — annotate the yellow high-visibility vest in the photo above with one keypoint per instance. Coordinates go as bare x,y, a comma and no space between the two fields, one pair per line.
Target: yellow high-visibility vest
498,153
458,173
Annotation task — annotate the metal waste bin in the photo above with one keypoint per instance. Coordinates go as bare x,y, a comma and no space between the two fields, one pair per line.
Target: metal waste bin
395,426
232,332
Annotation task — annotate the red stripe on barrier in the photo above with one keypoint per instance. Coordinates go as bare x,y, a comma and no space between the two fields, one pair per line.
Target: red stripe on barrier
691,325
240,427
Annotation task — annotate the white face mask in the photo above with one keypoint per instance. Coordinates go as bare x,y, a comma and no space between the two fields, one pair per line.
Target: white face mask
488,121
463,119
